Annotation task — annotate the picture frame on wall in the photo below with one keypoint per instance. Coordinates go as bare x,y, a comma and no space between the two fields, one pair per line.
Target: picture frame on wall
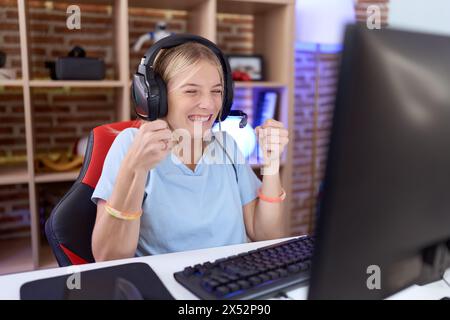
246,67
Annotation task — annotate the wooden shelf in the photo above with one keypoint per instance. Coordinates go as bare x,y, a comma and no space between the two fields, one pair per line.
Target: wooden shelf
11,83
104,2
13,174
167,4
15,255
75,84
56,176
250,6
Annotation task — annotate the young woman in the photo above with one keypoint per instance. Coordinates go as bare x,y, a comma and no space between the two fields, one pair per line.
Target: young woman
154,197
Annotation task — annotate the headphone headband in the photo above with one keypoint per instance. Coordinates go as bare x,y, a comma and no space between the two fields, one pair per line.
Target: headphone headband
176,40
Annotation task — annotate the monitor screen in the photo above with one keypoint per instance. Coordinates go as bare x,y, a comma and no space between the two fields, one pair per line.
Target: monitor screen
384,221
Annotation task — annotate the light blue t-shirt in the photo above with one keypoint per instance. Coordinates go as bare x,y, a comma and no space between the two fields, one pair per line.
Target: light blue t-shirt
186,210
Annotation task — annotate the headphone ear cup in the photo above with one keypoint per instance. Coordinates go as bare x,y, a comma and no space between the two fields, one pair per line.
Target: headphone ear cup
163,108
153,99
139,94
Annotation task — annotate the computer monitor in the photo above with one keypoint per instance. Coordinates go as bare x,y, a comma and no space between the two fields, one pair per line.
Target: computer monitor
384,220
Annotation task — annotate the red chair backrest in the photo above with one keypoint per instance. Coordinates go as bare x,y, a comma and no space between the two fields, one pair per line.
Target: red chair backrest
69,227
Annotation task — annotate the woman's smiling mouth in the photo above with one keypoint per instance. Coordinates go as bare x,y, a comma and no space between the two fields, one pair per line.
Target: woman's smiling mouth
199,118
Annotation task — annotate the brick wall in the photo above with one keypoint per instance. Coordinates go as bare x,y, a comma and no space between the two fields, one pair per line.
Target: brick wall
304,196
12,122
303,130
61,116
50,38
235,33
361,10
14,211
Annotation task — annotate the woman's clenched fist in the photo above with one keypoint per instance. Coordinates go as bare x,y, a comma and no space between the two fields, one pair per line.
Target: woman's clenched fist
151,145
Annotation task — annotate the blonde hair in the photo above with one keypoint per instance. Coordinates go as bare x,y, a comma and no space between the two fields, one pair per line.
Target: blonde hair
170,62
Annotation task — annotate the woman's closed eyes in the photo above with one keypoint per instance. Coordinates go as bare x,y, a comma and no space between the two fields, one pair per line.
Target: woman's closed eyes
194,92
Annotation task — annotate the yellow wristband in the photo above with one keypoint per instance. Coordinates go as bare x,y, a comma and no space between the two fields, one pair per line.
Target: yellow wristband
122,215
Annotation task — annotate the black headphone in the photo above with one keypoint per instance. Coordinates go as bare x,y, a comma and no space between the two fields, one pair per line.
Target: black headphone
149,91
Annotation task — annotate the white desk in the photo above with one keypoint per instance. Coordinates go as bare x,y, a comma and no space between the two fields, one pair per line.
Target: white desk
165,265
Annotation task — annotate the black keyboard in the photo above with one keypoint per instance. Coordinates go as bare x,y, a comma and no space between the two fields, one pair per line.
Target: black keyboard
253,274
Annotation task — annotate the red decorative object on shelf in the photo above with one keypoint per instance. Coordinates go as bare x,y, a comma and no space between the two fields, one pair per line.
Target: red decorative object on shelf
240,76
